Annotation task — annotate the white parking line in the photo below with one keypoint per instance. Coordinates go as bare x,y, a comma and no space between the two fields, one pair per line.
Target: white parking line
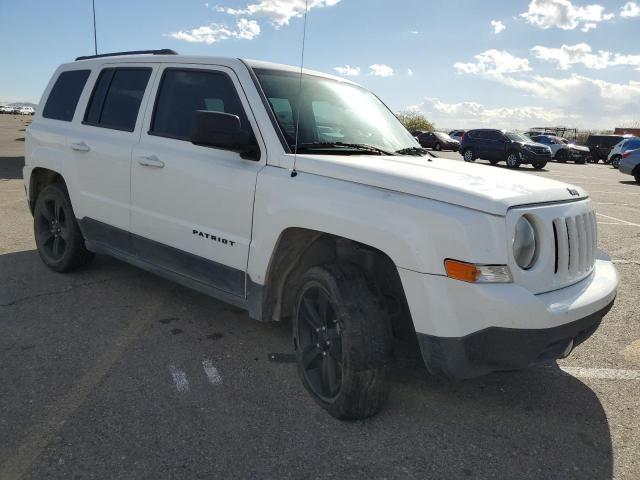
212,372
180,379
619,220
627,262
602,373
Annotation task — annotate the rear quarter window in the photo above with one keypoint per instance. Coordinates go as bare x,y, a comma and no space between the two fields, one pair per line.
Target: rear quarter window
63,98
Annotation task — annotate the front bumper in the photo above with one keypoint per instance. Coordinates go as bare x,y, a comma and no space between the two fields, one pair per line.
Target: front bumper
467,330
530,156
495,348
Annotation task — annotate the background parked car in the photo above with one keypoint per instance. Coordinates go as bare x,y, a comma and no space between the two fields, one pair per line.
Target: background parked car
457,134
616,153
630,163
503,146
7,109
601,145
438,141
26,111
562,150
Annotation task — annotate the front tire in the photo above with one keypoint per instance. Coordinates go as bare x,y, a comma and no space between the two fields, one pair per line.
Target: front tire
513,160
539,165
343,341
58,238
561,156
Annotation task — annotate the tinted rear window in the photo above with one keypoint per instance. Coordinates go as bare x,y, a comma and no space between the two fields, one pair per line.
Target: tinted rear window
64,96
116,98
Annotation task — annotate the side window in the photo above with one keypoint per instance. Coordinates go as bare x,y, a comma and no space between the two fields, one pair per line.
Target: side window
116,98
284,112
493,135
182,92
64,96
631,145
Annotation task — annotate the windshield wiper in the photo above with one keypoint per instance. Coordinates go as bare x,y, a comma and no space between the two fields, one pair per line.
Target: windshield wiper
414,151
346,146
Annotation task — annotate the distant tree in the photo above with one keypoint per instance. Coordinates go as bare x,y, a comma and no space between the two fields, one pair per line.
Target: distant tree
414,121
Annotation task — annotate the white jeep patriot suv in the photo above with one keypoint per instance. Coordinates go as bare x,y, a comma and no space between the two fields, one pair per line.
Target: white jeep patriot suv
300,196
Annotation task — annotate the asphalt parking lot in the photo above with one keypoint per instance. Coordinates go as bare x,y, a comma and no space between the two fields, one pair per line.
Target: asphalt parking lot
112,372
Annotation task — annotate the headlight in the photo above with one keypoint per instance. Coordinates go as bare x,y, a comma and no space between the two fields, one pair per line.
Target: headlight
524,244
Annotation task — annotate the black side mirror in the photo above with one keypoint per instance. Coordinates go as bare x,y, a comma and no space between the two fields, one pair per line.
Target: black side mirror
223,130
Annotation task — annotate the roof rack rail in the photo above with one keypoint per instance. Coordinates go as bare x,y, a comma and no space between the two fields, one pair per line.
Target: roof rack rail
163,51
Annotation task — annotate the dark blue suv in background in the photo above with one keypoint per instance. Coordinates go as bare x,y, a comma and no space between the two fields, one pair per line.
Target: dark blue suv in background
503,146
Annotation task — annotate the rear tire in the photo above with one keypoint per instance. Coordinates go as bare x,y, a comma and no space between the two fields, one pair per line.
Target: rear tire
58,238
615,161
467,155
514,160
343,341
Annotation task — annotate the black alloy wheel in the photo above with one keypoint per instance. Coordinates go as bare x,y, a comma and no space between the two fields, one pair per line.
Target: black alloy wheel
52,229
57,234
320,342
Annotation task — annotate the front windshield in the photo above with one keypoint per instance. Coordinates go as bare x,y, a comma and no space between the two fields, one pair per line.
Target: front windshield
517,137
444,136
331,112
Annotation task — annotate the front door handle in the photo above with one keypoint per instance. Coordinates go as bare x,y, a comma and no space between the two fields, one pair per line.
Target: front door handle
80,147
151,161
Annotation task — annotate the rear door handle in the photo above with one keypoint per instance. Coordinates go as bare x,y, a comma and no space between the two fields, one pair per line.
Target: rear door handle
80,147
151,161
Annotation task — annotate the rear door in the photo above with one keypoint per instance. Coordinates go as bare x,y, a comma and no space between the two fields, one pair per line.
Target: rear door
101,146
496,145
192,205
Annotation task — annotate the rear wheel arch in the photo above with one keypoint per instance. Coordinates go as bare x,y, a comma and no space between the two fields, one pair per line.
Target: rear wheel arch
39,179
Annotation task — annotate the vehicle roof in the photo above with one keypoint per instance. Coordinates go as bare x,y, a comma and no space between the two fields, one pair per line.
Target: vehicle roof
234,63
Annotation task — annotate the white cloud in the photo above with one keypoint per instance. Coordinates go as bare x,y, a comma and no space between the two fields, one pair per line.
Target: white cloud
630,10
473,114
591,102
348,71
245,29
409,72
414,32
493,62
279,12
564,15
568,55
497,26
380,70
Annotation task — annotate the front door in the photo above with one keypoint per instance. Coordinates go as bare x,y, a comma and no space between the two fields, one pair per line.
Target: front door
192,206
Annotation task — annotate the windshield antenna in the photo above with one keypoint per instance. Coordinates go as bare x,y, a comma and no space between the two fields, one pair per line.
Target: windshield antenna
294,173
95,37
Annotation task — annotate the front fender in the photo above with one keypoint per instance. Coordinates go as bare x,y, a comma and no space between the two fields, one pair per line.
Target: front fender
416,233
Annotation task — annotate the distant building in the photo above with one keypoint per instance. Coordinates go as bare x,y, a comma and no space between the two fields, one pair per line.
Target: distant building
627,131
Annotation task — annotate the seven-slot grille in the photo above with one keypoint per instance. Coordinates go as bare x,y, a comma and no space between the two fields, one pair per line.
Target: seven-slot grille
575,243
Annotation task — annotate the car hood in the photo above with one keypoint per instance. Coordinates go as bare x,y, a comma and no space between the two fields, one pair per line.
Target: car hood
480,187
579,147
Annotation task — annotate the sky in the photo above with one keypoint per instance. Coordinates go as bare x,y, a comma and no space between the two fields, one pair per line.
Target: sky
463,63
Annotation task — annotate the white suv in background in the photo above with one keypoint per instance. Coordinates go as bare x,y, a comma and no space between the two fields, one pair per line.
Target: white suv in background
192,168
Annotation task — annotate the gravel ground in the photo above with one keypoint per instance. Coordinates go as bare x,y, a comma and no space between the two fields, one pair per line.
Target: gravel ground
112,372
